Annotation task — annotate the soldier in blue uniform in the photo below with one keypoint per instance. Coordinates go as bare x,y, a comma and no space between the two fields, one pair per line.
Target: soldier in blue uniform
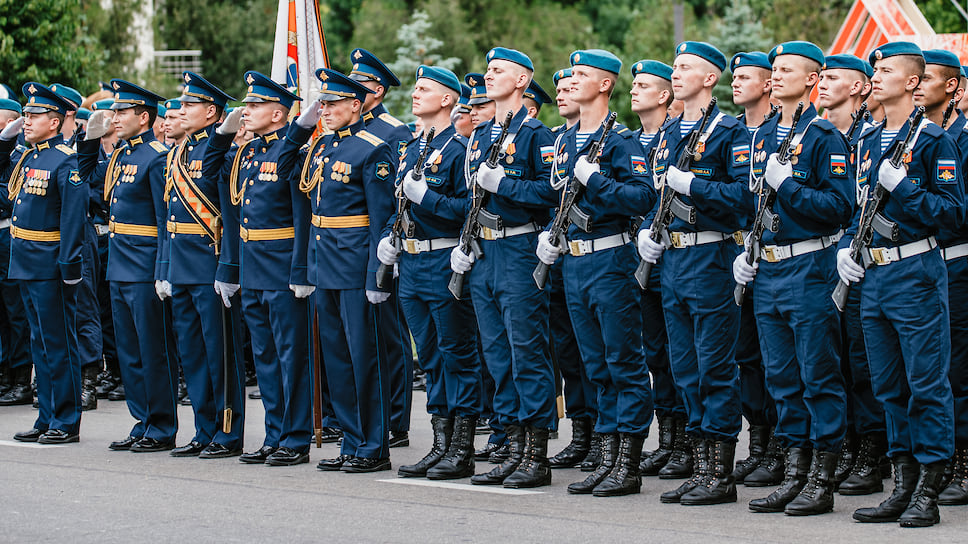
701,319
443,327
48,218
348,177
392,330
461,117
512,313
133,185
482,107
189,266
904,296
603,299
271,247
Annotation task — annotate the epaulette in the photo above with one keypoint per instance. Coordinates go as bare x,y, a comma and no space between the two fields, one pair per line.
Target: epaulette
623,131
461,140
369,137
65,149
729,121
555,130
826,126
932,129
158,146
390,120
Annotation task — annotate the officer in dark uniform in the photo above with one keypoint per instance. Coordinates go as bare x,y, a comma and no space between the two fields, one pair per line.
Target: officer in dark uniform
48,218
392,330
462,116
482,107
348,177
133,181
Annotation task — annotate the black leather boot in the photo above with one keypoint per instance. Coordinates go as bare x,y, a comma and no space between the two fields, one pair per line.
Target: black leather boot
496,476
576,451
624,478
797,466
106,383
653,461
922,511
20,391
501,454
700,464
817,497
771,470
905,480
534,470
443,429
848,456
89,388
608,453
458,461
957,490
759,438
594,457
865,478
681,462
719,486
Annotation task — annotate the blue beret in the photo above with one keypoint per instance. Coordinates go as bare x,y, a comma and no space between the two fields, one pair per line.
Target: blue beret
511,55
942,58
756,59
703,50
561,74
263,89
67,93
441,75
10,105
893,49
367,67
129,95
83,114
41,99
173,104
336,86
654,68
848,62
7,92
803,49
465,95
597,58
478,91
198,89
536,93
162,110
103,104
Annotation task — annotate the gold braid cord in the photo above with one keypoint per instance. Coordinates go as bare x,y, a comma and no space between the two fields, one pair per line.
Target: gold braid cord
234,191
17,178
305,185
112,174
169,177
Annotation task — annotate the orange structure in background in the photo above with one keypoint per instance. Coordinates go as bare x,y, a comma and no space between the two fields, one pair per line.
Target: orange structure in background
871,23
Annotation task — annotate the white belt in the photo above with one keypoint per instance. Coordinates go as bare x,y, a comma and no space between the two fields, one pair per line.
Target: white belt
577,248
102,229
413,246
507,232
680,240
773,254
5,223
949,253
887,255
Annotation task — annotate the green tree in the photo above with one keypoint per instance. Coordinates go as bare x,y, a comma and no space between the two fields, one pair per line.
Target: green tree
942,16
111,28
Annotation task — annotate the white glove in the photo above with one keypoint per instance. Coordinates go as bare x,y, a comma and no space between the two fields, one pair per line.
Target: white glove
890,177
415,189
490,178
12,129
679,181
232,123
546,252
461,262
585,169
226,290
776,172
302,291
649,251
98,124
743,272
73,282
377,297
849,271
455,115
310,116
386,252
163,289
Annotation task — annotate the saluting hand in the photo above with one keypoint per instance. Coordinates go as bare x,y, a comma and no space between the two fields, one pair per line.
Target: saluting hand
310,116
98,125
232,123
12,129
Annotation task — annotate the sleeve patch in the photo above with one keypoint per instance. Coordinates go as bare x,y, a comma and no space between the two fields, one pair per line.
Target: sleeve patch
741,154
382,170
547,154
639,165
838,165
74,177
947,171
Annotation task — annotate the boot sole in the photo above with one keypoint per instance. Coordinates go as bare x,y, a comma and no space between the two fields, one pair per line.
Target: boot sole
618,493
765,510
953,502
451,476
854,492
761,484
919,523
724,500
405,474
682,476
526,485
808,512
868,519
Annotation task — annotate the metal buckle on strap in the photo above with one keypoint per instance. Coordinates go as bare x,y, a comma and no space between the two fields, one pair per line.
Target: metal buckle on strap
488,234
739,237
884,255
681,239
769,254
410,246
577,248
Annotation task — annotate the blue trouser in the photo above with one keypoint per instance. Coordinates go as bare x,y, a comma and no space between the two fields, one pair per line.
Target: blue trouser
197,319
279,326
958,373
579,392
904,311
702,322
356,371
655,341
14,331
800,342
758,406
603,301
51,310
88,311
394,338
146,360
512,315
444,332
864,413
103,293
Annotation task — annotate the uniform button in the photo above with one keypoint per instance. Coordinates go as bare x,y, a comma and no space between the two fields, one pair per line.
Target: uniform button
335,144
263,150
191,147
246,220
255,163
112,218
174,199
112,235
128,152
173,218
35,155
247,202
251,182
18,201
115,201
326,159
317,237
173,235
15,218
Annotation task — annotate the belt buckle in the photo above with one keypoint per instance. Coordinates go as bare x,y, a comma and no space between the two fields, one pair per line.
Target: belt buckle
576,248
244,234
770,255
678,240
410,246
487,233
880,255
738,238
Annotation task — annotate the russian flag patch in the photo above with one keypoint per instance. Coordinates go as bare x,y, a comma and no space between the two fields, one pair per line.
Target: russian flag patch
639,166
838,165
947,171
741,154
547,154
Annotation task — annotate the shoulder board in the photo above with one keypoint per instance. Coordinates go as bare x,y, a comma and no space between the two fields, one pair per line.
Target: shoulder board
557,128
668,122
825,125
929,128
729,121
369,137
624,131
532,122
158,146
390,120
65,149
460,140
